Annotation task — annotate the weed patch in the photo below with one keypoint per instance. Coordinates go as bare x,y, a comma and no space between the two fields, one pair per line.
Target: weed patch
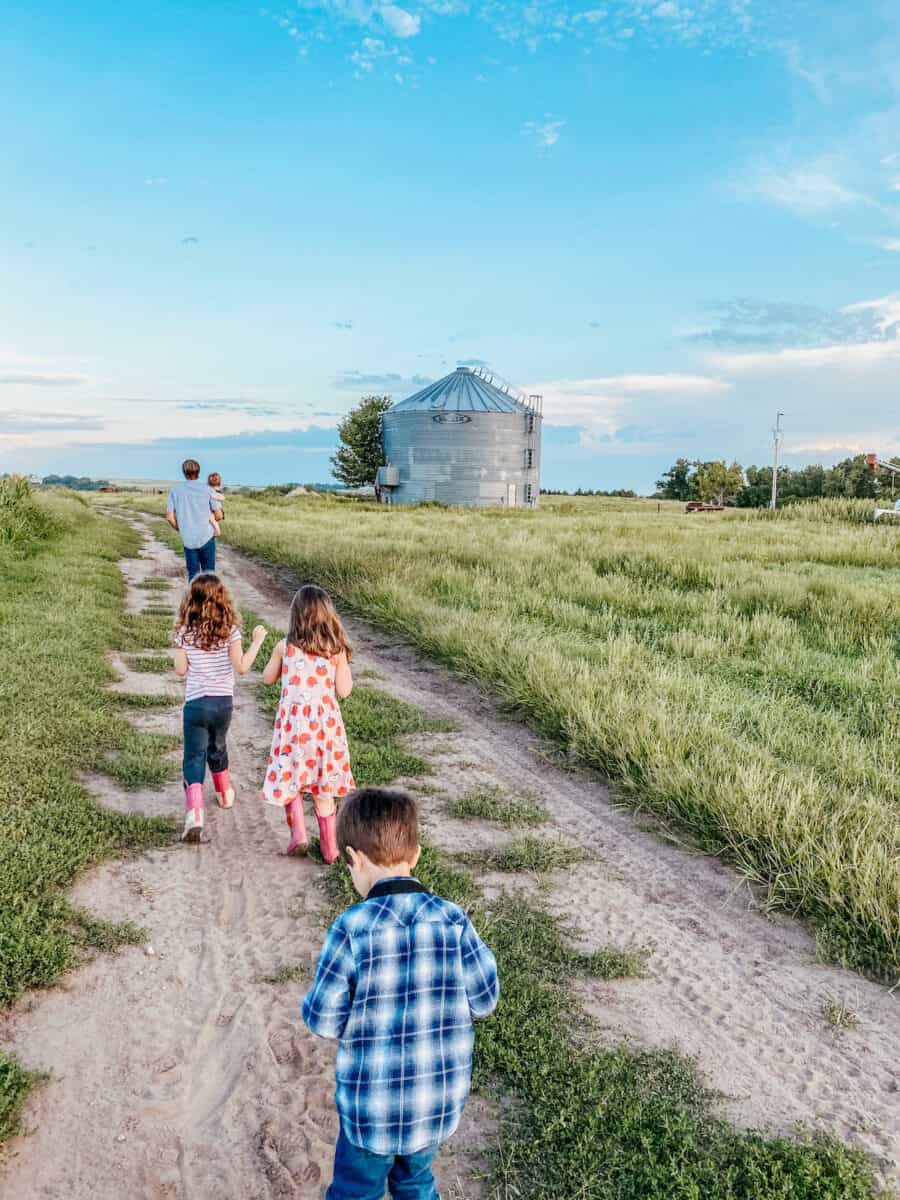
529,854
489,802
145,664
15,1084
286,974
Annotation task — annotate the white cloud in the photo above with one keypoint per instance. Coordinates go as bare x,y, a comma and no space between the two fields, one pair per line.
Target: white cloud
401,23
890,244
545,134
603,406
29,379
862,354
810,188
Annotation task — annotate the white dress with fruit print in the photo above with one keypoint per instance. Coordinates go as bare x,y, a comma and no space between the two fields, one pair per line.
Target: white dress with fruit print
309,753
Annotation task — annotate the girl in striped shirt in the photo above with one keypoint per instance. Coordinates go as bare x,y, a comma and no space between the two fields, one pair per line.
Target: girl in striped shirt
208,652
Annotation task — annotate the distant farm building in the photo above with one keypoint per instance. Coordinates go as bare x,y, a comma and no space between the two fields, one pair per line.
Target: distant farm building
463,440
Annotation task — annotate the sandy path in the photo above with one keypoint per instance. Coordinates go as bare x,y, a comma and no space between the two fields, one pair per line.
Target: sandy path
179,1076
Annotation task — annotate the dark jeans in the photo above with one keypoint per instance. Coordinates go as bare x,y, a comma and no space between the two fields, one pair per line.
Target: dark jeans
206,722
359,1175
202,559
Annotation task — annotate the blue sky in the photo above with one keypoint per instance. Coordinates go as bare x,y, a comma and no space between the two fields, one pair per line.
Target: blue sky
222,223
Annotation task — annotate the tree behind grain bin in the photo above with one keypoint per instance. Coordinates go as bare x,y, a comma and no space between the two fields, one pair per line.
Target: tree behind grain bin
357,461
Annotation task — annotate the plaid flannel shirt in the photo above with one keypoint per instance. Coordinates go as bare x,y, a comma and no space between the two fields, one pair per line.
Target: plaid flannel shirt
400,978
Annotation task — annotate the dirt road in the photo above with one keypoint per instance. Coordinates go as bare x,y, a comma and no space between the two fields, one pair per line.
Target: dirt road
180,1074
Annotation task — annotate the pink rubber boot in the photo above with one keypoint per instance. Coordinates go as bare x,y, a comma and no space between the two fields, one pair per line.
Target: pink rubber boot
328,837
294,812
224,790
193,812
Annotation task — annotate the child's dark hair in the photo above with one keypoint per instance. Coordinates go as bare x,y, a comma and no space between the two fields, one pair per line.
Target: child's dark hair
214,479
381,823
207,614
314,625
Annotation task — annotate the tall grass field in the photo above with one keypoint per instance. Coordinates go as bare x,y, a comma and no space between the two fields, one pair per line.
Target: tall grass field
736,674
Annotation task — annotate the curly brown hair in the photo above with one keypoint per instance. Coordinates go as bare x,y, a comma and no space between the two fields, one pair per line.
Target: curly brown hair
207,614
314,625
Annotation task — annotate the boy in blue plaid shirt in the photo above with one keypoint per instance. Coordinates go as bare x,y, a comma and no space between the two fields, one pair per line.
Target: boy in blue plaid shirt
400,979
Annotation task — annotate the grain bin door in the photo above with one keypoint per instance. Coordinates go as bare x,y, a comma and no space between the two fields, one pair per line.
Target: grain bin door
511,495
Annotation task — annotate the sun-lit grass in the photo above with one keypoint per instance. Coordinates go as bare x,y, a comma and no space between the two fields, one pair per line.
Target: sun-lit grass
739,675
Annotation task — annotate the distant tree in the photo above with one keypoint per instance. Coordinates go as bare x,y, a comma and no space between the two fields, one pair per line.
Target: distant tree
357,461
77,483
677,482
718,483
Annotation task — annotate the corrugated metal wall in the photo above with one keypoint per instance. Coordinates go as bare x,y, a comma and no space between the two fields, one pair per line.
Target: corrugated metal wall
477,458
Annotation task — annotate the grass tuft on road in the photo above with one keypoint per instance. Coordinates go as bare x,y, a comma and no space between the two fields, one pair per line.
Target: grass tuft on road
490,802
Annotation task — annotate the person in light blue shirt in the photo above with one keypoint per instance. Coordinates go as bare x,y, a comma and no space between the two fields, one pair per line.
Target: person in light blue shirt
188,511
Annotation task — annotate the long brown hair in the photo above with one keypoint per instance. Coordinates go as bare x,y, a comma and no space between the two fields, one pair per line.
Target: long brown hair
207,614
314,625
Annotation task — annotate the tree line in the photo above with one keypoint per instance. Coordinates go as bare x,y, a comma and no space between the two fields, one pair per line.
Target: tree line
751,487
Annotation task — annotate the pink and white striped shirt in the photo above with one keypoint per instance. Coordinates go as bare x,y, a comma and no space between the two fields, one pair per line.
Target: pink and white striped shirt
210,672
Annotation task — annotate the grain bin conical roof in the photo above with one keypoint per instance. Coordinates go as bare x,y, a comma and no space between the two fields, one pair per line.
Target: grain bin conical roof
462,391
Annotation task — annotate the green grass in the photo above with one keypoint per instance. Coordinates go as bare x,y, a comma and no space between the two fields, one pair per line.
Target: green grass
581,1120
106,936
15,1084
61,610
737,676
286,974
489,802
149,664
154,583
530,854
140,700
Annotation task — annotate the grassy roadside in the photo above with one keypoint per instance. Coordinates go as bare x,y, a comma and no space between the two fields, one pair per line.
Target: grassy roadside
582,1120
61,611
737,676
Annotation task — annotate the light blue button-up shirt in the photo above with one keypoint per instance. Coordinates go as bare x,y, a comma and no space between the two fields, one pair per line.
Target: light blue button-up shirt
191,503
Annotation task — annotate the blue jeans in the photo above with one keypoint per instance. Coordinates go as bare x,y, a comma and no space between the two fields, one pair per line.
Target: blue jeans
359,1175
206,722
201,559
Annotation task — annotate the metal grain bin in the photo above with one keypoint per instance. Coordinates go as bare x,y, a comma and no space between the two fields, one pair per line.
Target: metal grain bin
463,440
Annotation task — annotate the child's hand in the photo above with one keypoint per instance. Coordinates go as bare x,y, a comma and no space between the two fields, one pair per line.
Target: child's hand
259,633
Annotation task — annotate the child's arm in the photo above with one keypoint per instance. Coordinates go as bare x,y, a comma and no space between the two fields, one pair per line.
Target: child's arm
243,662
479,973
326,1006
181,658
272,669
343,680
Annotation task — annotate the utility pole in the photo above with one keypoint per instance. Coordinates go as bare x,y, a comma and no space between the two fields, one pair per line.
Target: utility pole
777,438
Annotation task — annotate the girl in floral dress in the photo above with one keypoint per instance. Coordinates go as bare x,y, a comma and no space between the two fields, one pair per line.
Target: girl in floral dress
309,753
